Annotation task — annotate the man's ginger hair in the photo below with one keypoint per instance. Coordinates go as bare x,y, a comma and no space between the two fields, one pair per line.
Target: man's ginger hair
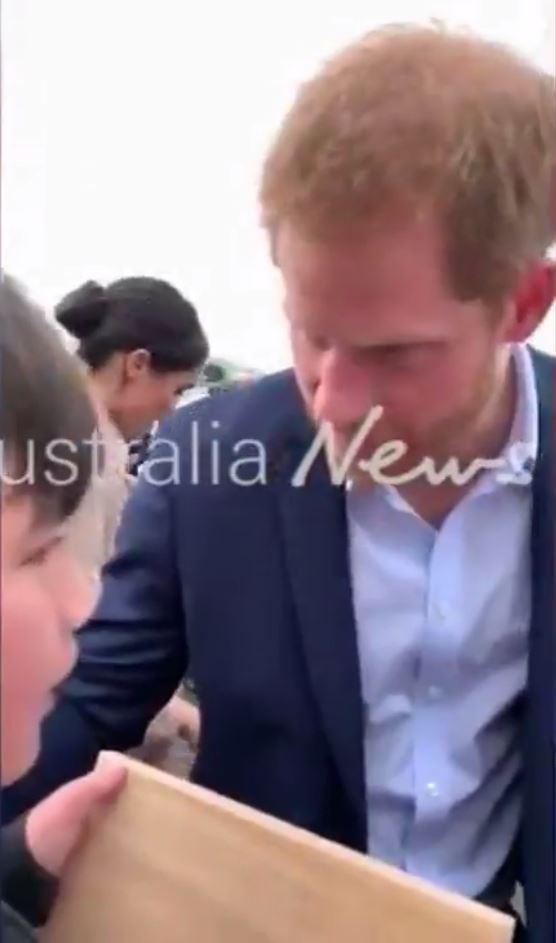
417,119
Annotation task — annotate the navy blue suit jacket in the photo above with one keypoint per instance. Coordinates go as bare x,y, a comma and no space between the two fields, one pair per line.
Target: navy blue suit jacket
249,589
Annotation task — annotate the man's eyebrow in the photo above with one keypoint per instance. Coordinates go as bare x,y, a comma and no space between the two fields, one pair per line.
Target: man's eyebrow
401,342
412,342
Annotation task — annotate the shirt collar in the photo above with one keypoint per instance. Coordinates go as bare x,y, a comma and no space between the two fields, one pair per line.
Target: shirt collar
517,459
522,446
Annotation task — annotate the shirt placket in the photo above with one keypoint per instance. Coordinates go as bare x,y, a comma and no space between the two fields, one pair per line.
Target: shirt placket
434,677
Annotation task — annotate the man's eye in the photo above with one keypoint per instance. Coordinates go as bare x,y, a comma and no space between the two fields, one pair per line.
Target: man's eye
394,353
404,356
317,341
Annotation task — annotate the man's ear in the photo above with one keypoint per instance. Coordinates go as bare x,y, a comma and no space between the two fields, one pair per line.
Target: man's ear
136,363
533,298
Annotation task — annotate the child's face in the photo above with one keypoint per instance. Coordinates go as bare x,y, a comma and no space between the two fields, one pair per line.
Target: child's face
45,596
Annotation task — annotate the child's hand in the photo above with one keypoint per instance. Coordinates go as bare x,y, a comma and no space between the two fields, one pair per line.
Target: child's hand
56,826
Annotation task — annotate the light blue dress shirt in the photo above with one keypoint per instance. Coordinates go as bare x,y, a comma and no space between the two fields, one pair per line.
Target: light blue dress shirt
442,622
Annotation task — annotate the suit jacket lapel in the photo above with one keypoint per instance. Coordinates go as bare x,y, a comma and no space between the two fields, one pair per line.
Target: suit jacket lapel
315,540
540,738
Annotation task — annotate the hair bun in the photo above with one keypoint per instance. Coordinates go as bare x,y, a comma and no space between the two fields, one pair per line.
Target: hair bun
83,310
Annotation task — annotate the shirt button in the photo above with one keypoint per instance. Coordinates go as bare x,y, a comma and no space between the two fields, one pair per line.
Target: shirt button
433,790
440,611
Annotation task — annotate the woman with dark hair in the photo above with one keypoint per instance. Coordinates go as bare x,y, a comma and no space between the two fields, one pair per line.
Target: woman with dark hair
142,345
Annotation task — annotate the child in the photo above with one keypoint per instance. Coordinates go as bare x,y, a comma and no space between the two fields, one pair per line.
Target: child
46,466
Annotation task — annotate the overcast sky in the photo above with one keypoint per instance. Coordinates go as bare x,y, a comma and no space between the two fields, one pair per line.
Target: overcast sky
134,130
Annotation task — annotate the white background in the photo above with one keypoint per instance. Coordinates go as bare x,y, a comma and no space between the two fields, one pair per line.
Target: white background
134,130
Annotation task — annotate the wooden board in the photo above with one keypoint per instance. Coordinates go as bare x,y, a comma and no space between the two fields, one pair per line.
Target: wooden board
172,862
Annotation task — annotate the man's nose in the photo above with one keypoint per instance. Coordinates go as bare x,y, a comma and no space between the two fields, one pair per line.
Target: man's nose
344,393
